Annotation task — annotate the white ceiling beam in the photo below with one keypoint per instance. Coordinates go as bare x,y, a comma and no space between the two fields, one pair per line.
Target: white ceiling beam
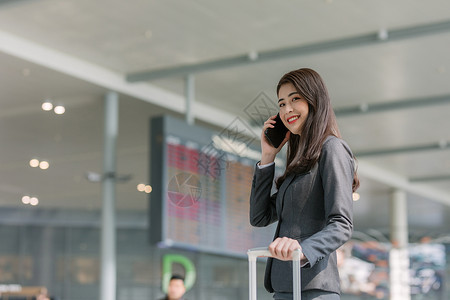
440,145
374,38
366,108
394,180
430,178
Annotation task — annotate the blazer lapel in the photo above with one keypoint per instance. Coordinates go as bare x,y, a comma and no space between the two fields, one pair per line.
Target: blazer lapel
281,192
285,185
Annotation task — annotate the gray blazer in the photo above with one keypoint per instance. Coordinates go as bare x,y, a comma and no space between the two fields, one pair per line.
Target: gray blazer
315,208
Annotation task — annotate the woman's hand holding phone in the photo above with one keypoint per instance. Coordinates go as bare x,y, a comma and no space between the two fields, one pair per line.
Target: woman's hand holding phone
268,151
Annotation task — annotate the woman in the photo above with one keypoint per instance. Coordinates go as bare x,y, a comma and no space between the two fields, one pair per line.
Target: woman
313,204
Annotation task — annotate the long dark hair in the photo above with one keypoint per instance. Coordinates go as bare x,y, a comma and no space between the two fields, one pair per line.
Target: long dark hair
304,150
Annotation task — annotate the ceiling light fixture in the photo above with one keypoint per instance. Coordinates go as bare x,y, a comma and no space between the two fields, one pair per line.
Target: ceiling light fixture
34,201
356,196
30,200
148,189
59,110
44,165
144,188
141,187
26,199
96,177
47,106
34,163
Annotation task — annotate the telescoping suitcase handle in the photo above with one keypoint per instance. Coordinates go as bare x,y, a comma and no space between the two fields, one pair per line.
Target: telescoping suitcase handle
254,253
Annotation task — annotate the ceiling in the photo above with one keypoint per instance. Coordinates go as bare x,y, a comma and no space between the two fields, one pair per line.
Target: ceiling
74,52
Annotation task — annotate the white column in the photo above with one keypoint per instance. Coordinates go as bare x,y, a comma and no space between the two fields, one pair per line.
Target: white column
399,256
108,225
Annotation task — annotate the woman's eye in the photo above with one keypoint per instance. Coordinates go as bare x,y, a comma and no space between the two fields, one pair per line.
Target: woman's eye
281,104
295,98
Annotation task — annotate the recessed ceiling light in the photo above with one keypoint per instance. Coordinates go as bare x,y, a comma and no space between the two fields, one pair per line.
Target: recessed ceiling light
356,196
141,187
44,165
59,110
47,106
26,199
148,189
34,163
34,201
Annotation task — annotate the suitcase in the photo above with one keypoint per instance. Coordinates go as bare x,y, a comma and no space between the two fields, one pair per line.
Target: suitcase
254,253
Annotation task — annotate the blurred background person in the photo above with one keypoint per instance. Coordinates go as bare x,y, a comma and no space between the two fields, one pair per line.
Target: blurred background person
176,288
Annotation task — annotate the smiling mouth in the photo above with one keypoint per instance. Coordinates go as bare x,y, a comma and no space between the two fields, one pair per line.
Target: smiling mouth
292,119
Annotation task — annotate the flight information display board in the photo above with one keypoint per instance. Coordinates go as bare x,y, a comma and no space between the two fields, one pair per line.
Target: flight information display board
200,197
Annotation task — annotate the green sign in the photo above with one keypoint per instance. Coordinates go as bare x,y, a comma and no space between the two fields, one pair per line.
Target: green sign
168,261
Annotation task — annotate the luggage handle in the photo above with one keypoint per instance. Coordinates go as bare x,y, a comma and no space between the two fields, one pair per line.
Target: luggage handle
254,253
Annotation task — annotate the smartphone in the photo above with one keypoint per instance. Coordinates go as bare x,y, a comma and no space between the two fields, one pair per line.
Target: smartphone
277,134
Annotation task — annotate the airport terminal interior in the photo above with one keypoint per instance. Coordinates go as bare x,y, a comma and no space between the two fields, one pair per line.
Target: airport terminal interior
130,131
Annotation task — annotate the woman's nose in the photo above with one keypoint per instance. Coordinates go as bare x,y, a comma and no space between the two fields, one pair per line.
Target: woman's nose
288,108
